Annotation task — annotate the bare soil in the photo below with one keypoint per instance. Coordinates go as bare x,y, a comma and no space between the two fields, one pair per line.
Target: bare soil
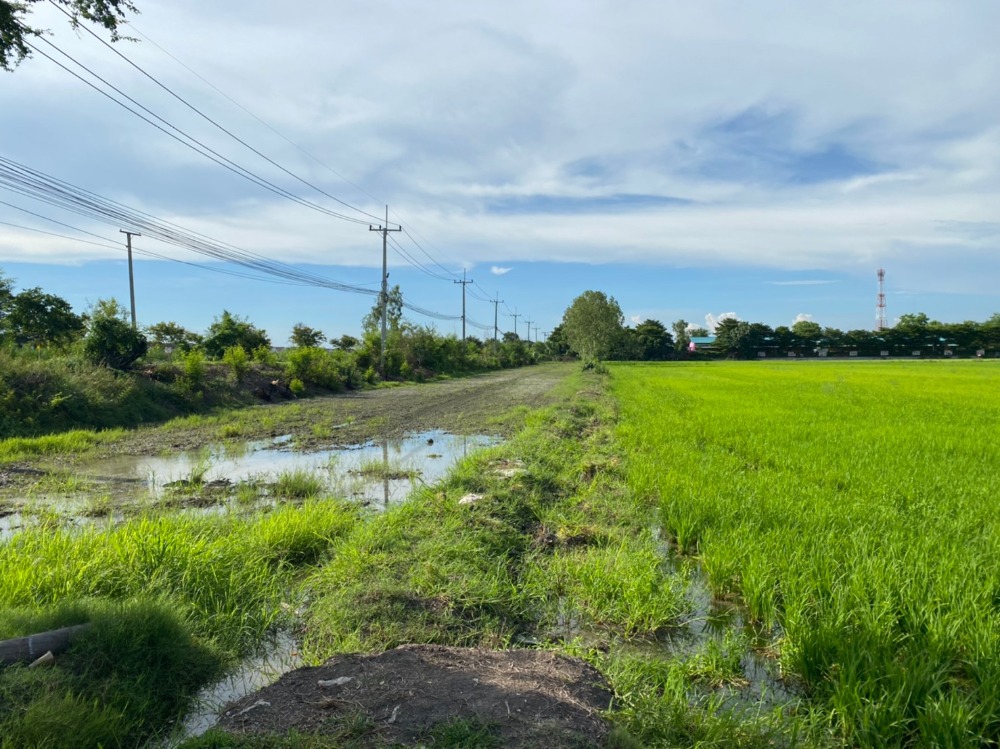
467,405
524,698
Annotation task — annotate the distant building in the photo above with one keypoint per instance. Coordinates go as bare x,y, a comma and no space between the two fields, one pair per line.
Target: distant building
702,342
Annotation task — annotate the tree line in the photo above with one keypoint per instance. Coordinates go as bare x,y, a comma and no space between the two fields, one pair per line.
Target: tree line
62,369
593,328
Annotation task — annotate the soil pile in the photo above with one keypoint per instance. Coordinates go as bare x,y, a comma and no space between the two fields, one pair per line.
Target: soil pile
527,698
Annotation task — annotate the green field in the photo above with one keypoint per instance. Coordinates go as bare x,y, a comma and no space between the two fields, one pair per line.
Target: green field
852,508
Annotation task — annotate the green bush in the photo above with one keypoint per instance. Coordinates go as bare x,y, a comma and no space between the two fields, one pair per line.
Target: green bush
238,361
193,370
112,342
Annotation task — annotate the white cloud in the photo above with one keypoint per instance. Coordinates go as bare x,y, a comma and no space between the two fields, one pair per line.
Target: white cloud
636,319
802,317
496,270
711,321
617,103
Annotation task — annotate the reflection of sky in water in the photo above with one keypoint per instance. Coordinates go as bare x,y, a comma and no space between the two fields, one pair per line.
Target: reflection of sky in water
429,454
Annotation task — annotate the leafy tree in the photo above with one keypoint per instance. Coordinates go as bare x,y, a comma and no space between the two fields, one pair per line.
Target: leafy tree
593,325
231,330
345,342
739,338
34,318
682,339
14,30
655,343
557,343
305,337
372,322
807,331
6,298
173,336
698,332
111,341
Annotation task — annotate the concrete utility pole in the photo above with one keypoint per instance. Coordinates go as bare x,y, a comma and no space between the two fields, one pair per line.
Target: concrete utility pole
464,283
536,333
131,277
385,281
528,322
515,316
496,307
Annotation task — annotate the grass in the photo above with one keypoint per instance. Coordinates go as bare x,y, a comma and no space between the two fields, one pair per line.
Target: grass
380,469
77,441
298,483
172,599
852,508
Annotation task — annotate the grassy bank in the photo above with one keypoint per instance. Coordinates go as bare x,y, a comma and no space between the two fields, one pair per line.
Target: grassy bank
851,509
171,600
541,542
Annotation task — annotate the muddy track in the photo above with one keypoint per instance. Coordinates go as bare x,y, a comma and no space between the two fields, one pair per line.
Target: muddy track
478,404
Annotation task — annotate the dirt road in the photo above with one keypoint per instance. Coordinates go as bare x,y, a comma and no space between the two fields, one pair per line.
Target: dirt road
480,404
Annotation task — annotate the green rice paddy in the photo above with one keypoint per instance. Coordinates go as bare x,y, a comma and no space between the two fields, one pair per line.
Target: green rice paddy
852,509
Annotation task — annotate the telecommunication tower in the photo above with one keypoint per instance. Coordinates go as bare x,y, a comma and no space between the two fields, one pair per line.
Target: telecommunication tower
880,302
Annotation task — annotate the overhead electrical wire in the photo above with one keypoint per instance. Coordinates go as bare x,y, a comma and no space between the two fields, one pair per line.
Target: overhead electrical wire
406,232
34,184
84,203
193,143
213,122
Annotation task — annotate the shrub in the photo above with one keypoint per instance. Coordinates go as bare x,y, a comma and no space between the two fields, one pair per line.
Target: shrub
112,342
238,361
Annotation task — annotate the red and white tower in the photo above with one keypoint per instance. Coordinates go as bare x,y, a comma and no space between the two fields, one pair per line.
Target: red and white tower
880,302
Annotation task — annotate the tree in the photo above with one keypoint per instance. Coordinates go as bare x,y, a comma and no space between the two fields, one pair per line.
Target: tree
6,298
345,342
231,330
593,324
682,339
14,31
111,341
739,338
305,337
654,341
173,336
698,332
372,322
35,318
556,342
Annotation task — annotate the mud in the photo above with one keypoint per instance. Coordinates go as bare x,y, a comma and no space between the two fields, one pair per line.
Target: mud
525,698
483,404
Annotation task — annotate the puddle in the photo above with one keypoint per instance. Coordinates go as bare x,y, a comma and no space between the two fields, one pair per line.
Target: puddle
376,474
255,672
713,621
383,471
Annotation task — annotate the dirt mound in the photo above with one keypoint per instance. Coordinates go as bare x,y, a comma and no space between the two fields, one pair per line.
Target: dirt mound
526,698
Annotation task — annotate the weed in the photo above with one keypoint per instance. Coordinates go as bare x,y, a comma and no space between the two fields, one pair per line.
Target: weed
298,483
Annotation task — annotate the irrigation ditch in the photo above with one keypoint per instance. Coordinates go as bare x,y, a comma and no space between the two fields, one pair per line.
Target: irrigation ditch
519,597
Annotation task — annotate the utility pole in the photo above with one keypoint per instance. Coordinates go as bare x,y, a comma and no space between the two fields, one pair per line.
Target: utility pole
515,316
496,307
385,281
131,277
463,282
536,334
528,322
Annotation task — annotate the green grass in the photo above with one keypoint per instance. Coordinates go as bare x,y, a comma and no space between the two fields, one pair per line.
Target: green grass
852,507
298,483
80,440
172,599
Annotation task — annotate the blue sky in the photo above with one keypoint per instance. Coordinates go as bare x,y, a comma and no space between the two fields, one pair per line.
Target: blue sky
691,159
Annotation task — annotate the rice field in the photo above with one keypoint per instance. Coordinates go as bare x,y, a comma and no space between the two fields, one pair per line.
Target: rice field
852,510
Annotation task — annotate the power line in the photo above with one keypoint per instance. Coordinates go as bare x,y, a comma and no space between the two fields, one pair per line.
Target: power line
194,144
212,121
31,183
263,122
